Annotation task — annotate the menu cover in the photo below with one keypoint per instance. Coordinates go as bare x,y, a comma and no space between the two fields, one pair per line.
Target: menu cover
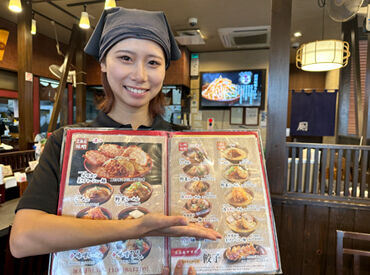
215,179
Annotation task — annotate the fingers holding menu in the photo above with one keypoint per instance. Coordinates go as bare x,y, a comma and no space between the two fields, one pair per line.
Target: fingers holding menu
179,269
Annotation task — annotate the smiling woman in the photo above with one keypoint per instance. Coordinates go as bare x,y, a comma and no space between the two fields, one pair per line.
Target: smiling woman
134,48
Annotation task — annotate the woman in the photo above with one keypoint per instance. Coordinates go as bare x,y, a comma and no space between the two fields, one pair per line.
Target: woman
134,48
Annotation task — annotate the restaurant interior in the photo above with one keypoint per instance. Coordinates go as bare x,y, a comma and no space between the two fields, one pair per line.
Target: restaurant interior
310,64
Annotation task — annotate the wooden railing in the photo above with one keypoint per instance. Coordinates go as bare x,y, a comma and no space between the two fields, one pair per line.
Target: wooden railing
325,170
18,160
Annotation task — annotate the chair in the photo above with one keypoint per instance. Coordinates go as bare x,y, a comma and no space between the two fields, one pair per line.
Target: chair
355,252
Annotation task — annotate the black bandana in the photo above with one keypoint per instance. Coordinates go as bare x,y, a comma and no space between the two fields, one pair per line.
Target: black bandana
119,23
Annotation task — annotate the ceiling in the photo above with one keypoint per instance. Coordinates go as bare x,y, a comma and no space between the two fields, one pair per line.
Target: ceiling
307,17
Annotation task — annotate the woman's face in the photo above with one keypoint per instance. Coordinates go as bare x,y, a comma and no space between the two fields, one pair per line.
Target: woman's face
135,71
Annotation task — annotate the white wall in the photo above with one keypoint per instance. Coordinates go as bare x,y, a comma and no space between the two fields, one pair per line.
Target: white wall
227,61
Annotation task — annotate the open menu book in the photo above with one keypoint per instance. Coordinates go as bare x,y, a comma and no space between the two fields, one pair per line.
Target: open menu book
215,179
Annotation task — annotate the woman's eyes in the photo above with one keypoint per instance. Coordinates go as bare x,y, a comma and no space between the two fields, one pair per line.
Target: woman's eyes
125,58
154,63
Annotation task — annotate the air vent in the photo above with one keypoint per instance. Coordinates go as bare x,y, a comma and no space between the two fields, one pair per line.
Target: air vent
245,37
189,37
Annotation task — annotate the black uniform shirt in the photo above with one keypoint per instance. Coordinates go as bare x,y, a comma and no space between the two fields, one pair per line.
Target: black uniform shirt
43,191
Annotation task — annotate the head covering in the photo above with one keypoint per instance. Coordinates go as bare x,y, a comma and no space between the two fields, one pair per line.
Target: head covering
119,23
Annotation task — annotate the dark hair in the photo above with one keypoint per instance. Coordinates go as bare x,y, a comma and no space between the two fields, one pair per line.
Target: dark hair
156,105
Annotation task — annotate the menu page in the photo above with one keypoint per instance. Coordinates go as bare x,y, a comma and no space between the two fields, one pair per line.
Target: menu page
218,181
113,175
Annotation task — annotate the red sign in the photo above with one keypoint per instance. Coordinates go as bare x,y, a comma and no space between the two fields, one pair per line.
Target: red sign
185,252
81,144
183,146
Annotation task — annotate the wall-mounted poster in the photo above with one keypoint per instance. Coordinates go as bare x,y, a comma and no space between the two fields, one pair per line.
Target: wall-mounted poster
251,116
236,115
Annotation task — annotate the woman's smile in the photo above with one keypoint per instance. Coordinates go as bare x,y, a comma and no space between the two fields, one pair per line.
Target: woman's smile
136,91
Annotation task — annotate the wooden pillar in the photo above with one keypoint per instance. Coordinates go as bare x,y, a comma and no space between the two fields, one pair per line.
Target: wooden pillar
278,89
70,104
366,119
356,75
25,78
344,89
63,116
81,80
36,105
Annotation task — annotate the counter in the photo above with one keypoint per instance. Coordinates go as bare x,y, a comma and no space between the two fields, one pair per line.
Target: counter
7,215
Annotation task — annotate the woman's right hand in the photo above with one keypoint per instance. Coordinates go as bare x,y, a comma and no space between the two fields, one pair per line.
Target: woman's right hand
174,226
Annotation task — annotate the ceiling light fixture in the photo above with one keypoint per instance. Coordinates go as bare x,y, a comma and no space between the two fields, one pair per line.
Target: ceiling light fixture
109,4
33,25
323,55
15,6
84,20
297,34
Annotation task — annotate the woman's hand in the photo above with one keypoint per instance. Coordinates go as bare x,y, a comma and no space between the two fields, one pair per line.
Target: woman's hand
174,226
179,269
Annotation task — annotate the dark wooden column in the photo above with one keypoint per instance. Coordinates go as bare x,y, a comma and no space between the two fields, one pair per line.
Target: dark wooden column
344,88
278,88
63,116
356,74
25,87
81,79
366,119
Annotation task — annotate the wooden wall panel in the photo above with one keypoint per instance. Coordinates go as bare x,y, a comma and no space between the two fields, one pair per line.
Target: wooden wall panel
339,219
307,235
362,224
315,237
299,79
290,237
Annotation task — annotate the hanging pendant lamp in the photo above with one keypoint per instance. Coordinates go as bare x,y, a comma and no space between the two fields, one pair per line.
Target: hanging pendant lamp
323,55
15,6
33,27
109,4
84,20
